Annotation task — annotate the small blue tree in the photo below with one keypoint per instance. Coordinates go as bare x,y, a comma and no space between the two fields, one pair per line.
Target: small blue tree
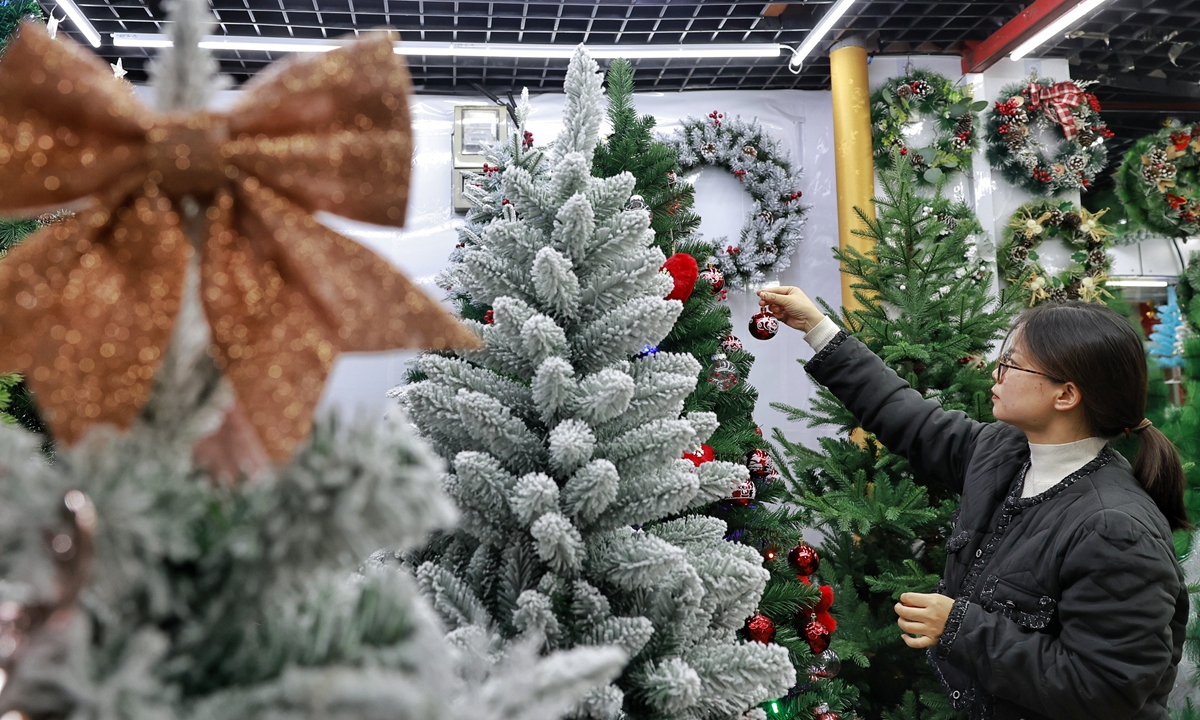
1166,340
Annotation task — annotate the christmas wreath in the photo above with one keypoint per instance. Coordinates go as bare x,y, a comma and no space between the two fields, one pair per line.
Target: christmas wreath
902,104
1079,229
772,227
1014,148
1159,181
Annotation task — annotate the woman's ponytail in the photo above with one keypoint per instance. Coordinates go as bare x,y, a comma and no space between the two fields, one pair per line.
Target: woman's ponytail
1097,349
1160,471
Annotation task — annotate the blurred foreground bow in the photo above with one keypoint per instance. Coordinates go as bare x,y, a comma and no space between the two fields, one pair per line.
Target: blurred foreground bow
87,307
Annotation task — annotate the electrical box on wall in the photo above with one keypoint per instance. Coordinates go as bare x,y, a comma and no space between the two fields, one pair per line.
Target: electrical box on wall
476,128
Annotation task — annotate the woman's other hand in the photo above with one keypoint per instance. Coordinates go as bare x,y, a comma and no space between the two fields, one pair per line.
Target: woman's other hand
791,306
923,615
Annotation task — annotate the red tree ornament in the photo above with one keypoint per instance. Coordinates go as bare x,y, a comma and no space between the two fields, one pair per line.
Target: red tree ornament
759,463
804,559
743,493
820,611
760,628
714,277
699,458
817,636
731,343
822,712
683,270
764,325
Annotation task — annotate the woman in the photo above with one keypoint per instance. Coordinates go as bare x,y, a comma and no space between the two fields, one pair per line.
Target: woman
1061,597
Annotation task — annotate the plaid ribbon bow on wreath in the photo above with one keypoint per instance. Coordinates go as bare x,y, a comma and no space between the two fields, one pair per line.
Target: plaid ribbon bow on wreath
1057,101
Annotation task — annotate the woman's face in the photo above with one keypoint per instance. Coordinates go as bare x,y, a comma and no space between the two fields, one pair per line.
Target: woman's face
1021,398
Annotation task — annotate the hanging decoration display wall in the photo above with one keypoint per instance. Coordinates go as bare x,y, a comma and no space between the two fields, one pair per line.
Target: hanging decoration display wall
772,228
1079,229
901,106
1066,109
1157,181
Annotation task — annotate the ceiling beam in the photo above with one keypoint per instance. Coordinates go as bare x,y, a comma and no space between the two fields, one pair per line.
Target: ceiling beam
1016,31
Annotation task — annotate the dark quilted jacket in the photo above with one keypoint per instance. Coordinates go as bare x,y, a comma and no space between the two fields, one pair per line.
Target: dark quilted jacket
1068,604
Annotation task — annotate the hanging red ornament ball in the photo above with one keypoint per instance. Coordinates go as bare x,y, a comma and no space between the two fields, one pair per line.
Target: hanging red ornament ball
770,477
713,276
699,458
683,270
822,712
820,612
489,317
759,463
758,431
817,636
804,559
743,493
760,628
731,343
764,325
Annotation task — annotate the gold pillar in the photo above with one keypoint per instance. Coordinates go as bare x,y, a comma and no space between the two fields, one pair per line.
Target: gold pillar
852,148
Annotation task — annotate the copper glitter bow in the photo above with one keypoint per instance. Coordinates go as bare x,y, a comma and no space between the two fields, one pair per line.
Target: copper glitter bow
87,306
1057,102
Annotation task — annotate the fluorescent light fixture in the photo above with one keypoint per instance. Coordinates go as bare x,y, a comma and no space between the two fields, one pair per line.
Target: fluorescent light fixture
85,26
1143,282
1056,28
810,41
486,50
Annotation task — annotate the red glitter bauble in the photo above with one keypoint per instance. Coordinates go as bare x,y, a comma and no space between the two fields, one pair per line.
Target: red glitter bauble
804,559
759,463
760,628
764,325
817,636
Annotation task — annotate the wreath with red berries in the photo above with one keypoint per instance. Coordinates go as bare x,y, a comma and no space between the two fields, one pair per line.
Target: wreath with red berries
1159,181
1066,110
771,231
901,104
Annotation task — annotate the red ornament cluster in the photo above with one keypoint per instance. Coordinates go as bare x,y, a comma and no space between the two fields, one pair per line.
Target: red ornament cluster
490,170
716,118
740,174
527,140
489,317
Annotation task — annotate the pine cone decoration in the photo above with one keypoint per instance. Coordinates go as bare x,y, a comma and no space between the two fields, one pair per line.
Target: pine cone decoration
1019,254
920,88
948,220
1097,257
1076,163
1152,172
917,159
963,124
766,216
904,91
1071,221
1086,137
1159,157
1014,142
1056,217
1168,171
1058,294
1019,116
709,148
1073,290
958,144
750,151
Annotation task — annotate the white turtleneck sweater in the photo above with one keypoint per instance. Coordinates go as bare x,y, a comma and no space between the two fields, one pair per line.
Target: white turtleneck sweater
1048,464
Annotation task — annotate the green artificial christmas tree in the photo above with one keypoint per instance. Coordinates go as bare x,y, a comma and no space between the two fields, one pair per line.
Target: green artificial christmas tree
565,443
926,309
16,405
758,516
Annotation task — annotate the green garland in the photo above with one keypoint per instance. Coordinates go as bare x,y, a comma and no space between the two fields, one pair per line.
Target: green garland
921,95
1036,221
1159,181
1014,149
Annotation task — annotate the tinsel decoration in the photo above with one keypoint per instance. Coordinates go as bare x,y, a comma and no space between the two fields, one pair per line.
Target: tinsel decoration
772,227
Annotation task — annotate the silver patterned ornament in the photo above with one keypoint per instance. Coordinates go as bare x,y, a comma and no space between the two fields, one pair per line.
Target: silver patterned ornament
824,666
636,203
723,373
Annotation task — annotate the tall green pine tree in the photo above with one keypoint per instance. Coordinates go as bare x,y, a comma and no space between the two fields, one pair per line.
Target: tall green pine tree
927,311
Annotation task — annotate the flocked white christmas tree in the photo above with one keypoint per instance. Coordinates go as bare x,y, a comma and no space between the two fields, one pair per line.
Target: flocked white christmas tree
137,588
565,445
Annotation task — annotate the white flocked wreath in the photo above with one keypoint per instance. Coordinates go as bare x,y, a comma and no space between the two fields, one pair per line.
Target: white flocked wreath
772,228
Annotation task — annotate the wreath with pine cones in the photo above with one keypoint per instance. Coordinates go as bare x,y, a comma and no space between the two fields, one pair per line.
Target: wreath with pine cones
902,104
1159,181
1077,227
771,231
1066,109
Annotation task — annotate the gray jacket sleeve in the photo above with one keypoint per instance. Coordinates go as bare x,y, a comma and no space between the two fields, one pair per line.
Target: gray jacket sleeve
1116,640
936,442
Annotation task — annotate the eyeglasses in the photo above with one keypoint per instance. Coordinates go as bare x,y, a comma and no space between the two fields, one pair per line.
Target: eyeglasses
1003,365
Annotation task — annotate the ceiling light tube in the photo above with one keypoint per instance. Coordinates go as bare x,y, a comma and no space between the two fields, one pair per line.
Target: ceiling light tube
817,33
1055,29
486,50
1137,282
85,26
